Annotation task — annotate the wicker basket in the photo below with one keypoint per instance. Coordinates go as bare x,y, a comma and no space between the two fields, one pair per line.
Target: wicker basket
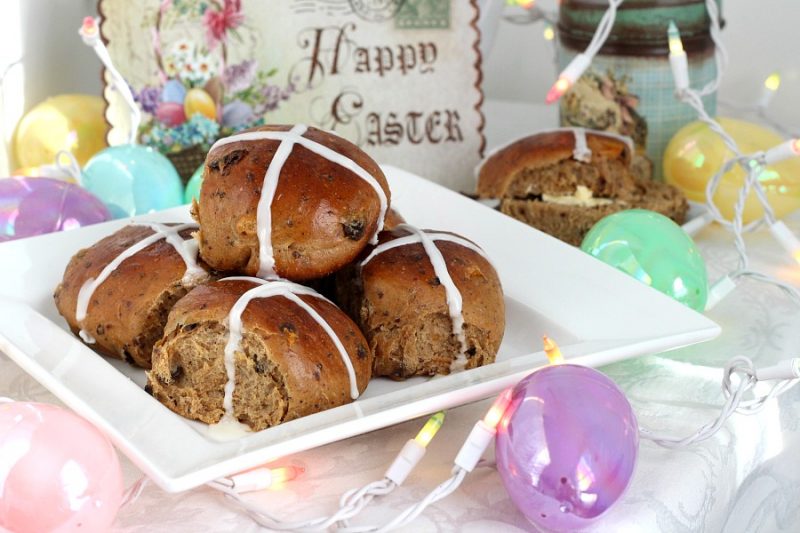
187,161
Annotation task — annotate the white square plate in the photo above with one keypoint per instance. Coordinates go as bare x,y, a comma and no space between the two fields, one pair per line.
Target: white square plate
596,313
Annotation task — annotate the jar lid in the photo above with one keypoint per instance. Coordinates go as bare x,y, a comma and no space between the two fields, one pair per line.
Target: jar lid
640,27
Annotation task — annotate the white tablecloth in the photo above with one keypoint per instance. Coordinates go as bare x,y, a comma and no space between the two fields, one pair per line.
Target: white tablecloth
747,478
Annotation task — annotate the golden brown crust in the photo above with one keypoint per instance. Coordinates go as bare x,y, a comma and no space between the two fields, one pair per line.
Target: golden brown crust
323,215
393,219
128,310
402,308
287,358
538,151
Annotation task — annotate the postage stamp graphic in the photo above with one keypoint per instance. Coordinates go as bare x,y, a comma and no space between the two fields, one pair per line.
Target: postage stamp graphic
423,14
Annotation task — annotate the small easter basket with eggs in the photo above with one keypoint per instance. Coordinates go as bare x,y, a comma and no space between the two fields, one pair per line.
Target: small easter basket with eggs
202,95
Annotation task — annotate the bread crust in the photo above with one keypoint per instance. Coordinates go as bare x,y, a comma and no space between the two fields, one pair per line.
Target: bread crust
127,312
402,308
498,171
288,367
323,215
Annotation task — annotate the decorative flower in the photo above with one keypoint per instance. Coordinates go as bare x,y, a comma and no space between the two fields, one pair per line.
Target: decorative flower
204,70
240,76
148,98
170,67
217,23
198,130
272,96
183,49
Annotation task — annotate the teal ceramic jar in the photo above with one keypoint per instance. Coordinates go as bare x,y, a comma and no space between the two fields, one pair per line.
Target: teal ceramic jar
628,89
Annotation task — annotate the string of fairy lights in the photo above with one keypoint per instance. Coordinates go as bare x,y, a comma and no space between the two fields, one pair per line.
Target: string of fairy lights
782,376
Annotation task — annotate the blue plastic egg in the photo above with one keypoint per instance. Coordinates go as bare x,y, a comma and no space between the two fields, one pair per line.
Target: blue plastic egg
132,179
173,91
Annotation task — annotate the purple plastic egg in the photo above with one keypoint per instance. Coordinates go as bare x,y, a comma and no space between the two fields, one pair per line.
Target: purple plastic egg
237,114
566,447
34,206
171,114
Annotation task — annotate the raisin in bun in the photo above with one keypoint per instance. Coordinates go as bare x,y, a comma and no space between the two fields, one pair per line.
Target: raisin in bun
117,293
404,295
564,181
297,201
284,363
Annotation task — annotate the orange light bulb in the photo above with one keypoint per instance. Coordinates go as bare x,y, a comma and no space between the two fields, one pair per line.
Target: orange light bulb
89,26
286,473
498,408
552,351
557,90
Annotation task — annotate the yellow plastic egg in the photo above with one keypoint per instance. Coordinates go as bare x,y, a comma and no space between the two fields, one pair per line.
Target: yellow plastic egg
695,154
199,101
73,122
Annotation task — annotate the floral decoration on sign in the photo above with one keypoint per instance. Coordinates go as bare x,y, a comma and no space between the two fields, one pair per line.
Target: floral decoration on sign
201,96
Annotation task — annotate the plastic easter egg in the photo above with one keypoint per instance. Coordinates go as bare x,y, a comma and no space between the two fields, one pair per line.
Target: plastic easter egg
171,114
193,186
35,206
132,180
695,154
199,101
58,473
653,249
72,122
237,114
174,92
566,446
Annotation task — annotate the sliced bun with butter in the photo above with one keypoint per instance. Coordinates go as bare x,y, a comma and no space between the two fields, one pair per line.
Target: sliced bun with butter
563,181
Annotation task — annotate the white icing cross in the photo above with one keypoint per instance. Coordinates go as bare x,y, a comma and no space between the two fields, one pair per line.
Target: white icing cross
288,139
453,295
187,249
268,289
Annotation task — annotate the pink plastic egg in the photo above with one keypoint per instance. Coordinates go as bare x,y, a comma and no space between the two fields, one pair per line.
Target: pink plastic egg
58,473
171,113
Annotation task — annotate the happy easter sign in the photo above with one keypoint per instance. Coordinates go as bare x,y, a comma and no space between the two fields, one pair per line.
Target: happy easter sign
400,78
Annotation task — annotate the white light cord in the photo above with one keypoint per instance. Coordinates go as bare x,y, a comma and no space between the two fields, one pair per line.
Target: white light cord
744,369
603,29
71,168
720,52
90,33
752,165
443,490
350,504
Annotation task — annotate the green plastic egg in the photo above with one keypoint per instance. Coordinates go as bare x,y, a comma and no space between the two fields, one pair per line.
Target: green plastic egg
653,249
193,186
